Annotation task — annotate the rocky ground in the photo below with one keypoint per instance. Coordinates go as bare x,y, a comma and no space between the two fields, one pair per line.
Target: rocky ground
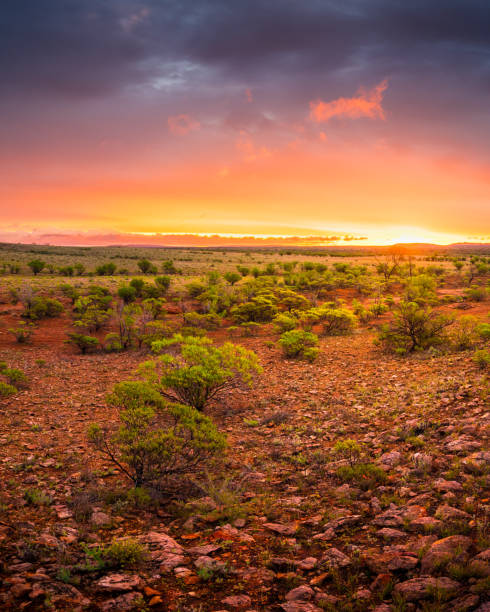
284,531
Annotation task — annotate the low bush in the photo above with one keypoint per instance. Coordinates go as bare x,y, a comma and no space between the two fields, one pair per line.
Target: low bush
464,333
157,440
40,308
284,322
124,553
338,321
84,343
298,343
15,377
482,359
348,449
260,309
484,331
476,294
364,475
22,332
7,390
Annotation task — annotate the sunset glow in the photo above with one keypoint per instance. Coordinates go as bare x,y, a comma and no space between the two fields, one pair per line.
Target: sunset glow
204,123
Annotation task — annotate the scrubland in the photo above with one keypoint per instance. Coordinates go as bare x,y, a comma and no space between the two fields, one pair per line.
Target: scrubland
210,430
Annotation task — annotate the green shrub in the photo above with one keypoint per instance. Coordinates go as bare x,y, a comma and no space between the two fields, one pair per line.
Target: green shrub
15,377
464,333
124,553
338,321
284,322
84,343
36,265
294,343
35,497
484,331
156,440
144,265
208,321
163,283
40,308
476,294
364,475
23,332
137,284
7,390
414,328
168,267
195,289
112,343
201,371
348,449
482,359
260,309
107,269
127,293
232,277
310,353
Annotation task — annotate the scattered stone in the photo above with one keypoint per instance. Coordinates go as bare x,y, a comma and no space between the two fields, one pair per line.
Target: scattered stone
301,593
119,582
391,534
101,519
452,548
421,588
334,558
447,485
285,530
237,601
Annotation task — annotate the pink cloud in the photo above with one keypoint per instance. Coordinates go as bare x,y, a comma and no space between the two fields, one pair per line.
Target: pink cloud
365,104
249,150
248,94
182,124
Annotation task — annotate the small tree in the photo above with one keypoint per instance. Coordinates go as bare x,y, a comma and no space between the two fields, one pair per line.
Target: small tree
414,328
127,293
168,267
84,343
232,277
163,283
144,265
138,285
125,316
37,265
156,440
200,370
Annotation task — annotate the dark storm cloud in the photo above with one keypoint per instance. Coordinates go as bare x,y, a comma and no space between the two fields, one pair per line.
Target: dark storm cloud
94,47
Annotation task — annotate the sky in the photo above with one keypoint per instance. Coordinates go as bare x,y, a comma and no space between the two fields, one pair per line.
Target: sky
244,121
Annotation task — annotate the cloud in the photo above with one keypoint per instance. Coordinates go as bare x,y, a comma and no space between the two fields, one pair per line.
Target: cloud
60,238
249,150
182,124
365,104
130,22
249,95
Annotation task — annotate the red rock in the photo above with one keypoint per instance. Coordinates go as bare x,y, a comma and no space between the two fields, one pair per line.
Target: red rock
119,582
237,601
421,588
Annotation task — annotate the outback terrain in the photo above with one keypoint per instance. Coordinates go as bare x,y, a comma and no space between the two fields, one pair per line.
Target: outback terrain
233,430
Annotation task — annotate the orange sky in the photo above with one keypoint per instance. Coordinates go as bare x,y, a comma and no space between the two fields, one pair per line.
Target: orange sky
215,141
